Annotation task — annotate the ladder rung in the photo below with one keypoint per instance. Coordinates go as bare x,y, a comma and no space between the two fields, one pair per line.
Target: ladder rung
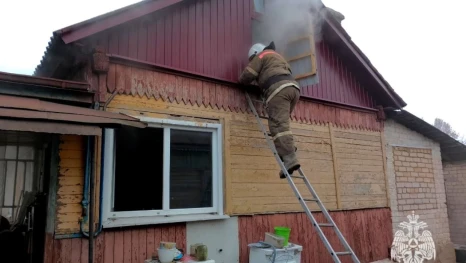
343,253
310,200
326,225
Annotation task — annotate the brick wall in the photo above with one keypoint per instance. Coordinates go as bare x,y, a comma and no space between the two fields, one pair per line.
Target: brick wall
403,142
414,177
455,185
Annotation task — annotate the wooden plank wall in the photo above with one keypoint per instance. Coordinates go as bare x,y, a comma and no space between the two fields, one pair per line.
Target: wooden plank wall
70,184
131,245
361,168
256,187
368,232
341,149
251,177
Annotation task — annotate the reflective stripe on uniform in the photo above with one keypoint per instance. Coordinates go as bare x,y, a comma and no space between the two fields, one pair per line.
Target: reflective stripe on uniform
261,55
275,92
280,134
252,71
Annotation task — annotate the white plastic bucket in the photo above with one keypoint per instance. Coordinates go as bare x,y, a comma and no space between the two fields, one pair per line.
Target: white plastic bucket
166,255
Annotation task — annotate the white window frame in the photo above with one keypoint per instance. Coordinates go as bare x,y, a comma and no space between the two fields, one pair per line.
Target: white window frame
166,215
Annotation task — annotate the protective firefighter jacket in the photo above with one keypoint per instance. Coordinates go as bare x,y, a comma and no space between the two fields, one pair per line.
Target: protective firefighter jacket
263,67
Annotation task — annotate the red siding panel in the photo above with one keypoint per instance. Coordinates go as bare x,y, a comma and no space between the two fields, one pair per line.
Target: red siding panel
336,83
356,225
118,246
176,38
212,37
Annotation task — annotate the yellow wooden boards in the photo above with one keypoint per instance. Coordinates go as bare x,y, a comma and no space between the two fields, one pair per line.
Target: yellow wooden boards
336,160
70,184
251,178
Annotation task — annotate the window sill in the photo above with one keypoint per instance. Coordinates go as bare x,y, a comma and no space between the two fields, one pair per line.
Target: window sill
154,220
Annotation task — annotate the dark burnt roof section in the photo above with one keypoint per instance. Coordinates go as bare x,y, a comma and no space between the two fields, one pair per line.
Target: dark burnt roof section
44,68
452,150
59,60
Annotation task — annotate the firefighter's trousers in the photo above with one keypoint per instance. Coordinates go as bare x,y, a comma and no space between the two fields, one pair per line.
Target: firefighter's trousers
279,109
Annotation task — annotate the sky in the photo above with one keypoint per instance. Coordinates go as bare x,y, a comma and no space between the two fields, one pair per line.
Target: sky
418,46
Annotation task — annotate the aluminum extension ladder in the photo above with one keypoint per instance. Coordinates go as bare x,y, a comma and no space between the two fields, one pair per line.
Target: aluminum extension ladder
318,226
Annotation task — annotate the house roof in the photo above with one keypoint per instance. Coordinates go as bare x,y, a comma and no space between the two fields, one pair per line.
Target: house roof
63,37
452,150
72,92
35,109
41,105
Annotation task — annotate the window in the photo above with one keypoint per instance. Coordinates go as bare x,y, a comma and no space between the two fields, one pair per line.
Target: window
168,172
17,164
300,53
297,46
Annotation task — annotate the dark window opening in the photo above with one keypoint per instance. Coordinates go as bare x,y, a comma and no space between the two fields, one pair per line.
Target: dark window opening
138,169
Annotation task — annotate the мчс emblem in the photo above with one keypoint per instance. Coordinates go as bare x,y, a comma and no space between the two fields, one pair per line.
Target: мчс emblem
413,247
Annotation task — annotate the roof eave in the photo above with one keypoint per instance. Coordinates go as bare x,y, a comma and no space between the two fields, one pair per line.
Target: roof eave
373,72
108,20
451,149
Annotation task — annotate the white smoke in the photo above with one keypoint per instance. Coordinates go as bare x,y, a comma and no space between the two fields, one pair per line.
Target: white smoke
284,20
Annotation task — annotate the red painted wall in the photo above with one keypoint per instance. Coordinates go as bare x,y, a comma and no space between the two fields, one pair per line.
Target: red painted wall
368,232
128,245
212,37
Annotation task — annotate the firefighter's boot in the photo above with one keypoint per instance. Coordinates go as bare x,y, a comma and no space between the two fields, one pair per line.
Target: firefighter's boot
291,164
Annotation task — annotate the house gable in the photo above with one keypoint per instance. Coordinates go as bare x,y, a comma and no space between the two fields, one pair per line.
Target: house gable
211,38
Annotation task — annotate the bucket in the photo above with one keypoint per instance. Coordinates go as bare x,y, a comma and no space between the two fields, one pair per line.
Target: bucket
283,232
166,255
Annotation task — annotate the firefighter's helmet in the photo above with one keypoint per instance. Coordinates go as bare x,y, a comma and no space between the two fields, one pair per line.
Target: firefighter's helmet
255,49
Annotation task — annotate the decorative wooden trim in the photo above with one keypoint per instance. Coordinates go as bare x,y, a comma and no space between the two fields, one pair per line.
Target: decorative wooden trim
336,174
195,77
176,89
384,157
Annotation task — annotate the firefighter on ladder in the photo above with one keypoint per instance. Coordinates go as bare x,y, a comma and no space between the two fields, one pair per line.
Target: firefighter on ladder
281,93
